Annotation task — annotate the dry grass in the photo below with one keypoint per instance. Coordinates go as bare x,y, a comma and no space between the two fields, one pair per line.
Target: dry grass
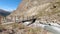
1,27
26,29
30,30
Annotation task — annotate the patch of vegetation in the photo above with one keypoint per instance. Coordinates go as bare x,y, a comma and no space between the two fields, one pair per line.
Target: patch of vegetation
15,25
2,28
33,30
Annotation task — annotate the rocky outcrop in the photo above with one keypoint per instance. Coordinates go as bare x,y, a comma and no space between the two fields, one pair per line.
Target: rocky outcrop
28,4
47,10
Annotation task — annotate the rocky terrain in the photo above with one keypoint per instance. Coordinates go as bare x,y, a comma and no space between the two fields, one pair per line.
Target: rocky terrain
19,28
45,12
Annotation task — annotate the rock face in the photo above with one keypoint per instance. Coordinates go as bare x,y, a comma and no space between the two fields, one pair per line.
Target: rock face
28,4
47,10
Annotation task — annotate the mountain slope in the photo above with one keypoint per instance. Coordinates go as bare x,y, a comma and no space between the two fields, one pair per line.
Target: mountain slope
4,13
48,10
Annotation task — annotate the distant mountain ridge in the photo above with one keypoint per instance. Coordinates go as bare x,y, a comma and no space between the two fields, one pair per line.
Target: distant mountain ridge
4,13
